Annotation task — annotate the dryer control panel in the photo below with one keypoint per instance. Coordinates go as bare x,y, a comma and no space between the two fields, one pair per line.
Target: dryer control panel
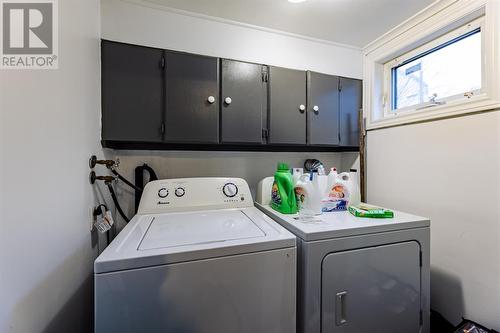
182,194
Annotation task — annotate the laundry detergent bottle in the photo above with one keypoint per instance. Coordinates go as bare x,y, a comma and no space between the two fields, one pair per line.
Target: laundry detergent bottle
309,194
282,193
338,192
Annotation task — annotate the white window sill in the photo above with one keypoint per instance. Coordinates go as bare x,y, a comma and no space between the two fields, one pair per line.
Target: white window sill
477,103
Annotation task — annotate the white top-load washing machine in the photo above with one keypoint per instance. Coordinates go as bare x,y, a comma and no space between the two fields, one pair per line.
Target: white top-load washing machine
360,275
198,257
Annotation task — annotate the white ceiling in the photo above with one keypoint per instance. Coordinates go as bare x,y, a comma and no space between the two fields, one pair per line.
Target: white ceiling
353,22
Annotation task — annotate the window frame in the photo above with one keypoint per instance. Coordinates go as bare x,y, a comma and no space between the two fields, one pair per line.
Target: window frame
438,19
441,42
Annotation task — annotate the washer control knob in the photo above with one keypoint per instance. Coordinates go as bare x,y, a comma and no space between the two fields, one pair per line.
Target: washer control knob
230,190
180,191
163,193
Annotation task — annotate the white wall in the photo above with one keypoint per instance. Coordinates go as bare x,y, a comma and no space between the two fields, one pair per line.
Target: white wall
49,126
136,24
448,170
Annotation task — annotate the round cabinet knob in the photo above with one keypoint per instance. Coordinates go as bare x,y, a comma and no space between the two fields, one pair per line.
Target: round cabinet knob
228,100
302,108
179,192
211,99
163,193
230,190
316,109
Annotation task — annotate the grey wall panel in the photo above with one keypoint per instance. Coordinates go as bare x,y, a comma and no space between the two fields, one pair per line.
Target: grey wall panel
351,95
323,124
132,92
189,115
252,166
287,92
242,120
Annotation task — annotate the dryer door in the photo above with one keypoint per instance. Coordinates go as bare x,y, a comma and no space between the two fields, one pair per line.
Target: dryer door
375,289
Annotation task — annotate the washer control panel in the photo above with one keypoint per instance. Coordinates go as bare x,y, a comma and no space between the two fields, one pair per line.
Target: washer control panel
182,194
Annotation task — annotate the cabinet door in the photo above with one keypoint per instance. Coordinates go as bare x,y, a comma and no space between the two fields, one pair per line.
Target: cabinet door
351,91
323,109
287,105
132,92
375,289
244,102
192,98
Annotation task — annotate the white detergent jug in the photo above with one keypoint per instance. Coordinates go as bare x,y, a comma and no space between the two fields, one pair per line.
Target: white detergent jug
331,178
323,183
337,195
308,194
264,191
296,174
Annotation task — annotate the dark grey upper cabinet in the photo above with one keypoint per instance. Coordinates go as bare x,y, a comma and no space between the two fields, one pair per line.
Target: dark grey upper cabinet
162,99
244,102
287,106
192,98
351,92
323,109
132,92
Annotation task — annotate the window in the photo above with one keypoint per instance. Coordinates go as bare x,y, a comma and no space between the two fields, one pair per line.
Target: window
442,62
448,68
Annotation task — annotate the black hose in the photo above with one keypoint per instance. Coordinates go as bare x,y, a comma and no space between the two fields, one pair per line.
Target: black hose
115,200
123,179
152,173
139,181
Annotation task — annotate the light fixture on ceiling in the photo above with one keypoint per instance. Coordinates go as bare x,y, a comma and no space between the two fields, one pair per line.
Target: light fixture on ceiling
296,1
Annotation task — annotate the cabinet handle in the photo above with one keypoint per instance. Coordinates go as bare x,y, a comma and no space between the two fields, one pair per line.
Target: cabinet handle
228,100
302,108
211,99
316,109
340,310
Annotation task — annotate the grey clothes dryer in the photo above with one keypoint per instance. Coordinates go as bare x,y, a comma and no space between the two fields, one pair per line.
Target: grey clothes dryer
359,275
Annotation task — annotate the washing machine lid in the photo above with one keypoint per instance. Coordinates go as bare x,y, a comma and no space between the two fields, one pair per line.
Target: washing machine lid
184,229
158,239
